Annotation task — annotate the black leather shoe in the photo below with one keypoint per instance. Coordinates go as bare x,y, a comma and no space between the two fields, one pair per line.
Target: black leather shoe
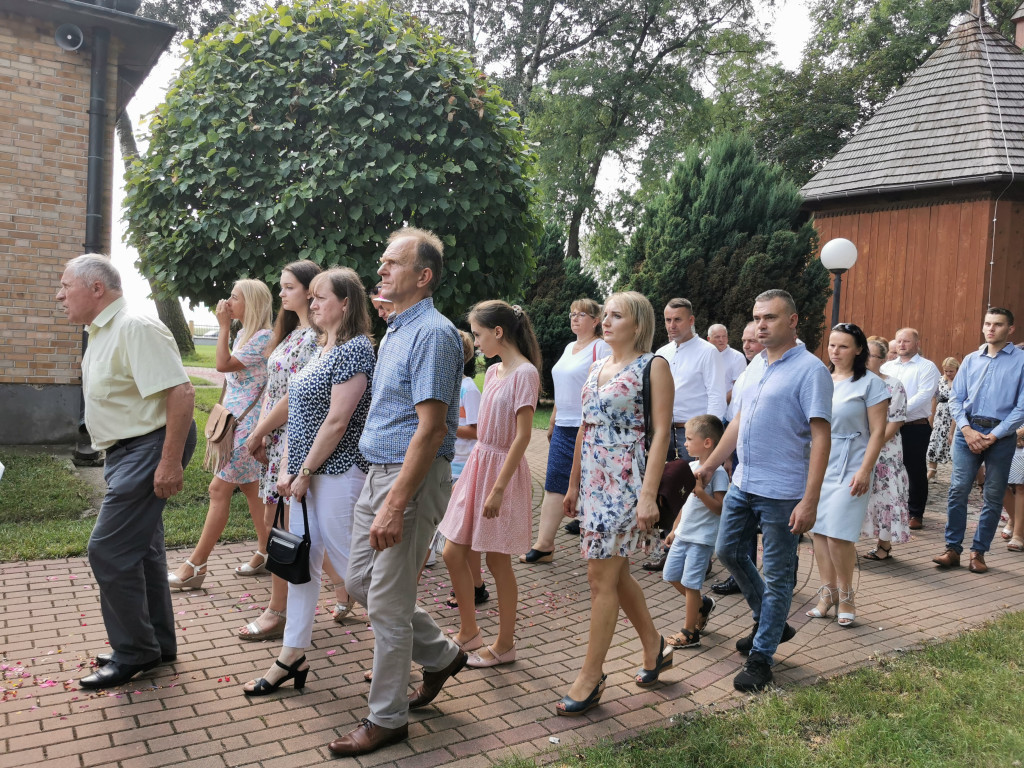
572,528
727,587
745,644
114,673
102,659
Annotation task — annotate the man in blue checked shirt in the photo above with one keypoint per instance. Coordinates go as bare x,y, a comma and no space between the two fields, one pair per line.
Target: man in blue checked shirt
987,405
782,433
409,441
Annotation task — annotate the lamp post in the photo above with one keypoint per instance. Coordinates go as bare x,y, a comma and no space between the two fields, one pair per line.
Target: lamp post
837,256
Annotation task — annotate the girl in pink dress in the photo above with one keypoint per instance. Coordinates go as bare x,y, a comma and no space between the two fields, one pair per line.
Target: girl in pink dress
490,508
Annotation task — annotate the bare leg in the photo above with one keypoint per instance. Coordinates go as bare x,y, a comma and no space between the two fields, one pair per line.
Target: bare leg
550,519
213,527
634,605
505,584
827,570
257,511
278,586
475,566
694,602
456,558
340,592
603,576
1017,513
843,555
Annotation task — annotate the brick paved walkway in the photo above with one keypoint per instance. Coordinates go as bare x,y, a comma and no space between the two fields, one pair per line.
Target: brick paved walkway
192,712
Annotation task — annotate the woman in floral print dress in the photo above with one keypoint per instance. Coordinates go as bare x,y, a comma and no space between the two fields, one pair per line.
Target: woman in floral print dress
888,517
614,486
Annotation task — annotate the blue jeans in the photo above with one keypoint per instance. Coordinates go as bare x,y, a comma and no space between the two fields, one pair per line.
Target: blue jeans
997,460
769,598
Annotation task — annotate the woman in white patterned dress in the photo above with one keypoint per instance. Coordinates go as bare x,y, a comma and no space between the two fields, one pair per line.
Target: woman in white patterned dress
888,518
942,425
245,375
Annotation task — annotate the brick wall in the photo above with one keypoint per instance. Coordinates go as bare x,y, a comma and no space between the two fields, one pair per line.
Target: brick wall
44,136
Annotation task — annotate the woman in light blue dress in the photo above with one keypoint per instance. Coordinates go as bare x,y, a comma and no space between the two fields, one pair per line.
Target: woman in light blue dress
859,406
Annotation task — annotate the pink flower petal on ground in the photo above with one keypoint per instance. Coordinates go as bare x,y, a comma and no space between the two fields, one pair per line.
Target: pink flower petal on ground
331,653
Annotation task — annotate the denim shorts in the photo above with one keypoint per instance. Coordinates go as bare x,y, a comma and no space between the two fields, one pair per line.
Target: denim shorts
563,443
687,563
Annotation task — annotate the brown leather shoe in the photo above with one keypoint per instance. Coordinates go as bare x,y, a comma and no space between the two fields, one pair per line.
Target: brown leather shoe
368,737
948,559
434,681
977,562
916,524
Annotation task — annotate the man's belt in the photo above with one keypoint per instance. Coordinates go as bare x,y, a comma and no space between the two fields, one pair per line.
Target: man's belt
129,440
982,421
915,422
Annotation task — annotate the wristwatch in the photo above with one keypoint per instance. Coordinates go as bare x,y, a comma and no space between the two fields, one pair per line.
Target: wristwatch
305,472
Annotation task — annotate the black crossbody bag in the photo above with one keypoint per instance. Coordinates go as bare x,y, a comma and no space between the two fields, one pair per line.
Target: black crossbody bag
287,553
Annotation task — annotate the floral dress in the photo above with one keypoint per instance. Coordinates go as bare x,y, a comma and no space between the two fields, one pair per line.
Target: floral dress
888,516
612,461
510,532
938,445
243,388
290,357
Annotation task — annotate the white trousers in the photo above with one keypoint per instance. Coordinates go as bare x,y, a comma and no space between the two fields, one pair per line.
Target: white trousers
329,503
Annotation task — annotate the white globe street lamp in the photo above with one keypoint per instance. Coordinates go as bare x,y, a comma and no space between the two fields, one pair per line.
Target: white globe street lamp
837,256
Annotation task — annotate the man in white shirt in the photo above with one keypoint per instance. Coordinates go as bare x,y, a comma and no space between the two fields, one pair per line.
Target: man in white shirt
696,368
733,361
699,378
920,377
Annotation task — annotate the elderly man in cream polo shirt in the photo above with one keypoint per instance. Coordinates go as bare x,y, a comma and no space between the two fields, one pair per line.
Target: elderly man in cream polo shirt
138,407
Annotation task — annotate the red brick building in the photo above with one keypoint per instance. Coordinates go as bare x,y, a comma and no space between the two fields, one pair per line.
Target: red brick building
931,191
54,203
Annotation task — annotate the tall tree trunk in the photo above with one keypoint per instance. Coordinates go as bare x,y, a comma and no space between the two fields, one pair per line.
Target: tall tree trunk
583,204
168,310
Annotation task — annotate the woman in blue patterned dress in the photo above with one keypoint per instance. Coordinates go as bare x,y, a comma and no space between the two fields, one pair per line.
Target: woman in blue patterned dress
327,405
245,376
614,486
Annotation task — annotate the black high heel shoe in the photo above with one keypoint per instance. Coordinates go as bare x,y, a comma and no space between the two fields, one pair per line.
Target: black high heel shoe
575,708
264,686
645,678
537,556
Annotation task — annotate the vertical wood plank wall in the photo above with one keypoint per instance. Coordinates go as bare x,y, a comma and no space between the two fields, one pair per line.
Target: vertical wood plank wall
926,266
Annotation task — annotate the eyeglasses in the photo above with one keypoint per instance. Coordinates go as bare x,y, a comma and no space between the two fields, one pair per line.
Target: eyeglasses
574,315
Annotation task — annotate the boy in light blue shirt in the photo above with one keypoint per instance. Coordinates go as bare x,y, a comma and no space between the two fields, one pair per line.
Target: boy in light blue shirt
695,531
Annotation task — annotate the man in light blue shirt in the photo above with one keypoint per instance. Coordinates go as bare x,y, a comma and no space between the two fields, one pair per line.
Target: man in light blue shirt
783,436
987,405
409,440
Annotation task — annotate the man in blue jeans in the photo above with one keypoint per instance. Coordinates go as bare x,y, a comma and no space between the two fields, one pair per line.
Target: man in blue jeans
782,434
987,405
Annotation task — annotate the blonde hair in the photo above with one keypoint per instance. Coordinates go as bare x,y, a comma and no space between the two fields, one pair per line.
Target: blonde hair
345,284
637,308
593,309
259,307
468,347
951,361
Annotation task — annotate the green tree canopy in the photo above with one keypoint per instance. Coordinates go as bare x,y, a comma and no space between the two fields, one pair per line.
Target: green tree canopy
312,130
557,283
726,227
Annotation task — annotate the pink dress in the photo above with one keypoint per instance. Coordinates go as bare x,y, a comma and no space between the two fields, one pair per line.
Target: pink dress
510,532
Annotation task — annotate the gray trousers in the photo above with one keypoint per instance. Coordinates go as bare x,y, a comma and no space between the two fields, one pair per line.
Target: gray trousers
385,582
126,552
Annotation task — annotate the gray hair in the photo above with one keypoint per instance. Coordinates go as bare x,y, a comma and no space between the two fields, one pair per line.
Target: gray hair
95,267
716,328
778,293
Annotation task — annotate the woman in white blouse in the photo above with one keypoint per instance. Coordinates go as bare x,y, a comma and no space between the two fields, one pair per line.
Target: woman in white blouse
569,375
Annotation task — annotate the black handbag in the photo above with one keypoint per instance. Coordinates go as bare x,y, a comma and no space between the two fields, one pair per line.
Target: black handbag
288,554
677,480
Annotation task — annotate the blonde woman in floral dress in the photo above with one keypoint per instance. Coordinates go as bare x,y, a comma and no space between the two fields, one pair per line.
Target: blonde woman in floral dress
613,486
245,375
941,441
888,517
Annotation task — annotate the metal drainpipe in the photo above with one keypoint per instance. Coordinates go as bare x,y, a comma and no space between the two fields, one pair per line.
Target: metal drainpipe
84,452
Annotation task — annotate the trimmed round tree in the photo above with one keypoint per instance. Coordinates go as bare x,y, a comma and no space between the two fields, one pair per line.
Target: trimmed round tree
313,131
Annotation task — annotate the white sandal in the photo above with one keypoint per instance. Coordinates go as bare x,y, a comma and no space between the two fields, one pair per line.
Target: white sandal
195,581
247,570
341,610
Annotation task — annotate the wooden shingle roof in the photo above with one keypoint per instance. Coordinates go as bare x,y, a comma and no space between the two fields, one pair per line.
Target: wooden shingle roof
942,127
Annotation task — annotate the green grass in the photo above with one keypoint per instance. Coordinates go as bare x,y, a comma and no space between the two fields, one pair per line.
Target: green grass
41,500
948,706
205,356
